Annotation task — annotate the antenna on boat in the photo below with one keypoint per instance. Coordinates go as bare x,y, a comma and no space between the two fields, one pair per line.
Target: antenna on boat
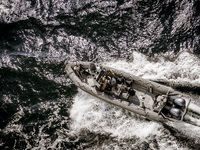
168,92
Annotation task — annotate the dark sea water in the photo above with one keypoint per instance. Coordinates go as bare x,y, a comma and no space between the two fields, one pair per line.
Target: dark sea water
40,108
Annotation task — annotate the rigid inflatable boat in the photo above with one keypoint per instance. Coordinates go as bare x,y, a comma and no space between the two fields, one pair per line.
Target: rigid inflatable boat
149,99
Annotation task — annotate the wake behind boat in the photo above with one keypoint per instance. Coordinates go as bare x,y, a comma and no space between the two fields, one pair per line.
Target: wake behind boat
146,98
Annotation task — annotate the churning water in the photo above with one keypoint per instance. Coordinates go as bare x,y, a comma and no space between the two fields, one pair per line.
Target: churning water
40,108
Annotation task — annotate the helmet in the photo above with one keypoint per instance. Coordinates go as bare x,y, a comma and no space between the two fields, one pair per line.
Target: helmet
113,81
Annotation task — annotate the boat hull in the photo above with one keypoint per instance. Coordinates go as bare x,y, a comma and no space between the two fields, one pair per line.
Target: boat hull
141,102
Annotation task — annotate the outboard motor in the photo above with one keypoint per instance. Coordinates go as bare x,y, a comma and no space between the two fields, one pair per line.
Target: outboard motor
179,102
175,112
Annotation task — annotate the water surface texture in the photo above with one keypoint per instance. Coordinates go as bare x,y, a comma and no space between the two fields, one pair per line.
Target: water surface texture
40,108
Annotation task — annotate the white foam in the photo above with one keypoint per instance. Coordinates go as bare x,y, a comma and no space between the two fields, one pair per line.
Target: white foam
183,70
92,114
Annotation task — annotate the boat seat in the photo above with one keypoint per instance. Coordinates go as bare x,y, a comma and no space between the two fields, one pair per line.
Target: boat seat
125,95
118,90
